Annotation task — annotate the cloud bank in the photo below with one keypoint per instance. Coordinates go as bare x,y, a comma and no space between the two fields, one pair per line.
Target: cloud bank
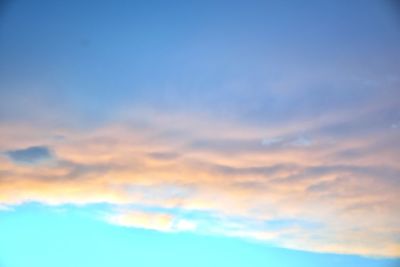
305,188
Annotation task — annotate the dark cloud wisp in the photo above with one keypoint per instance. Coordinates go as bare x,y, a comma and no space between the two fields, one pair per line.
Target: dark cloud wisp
30,155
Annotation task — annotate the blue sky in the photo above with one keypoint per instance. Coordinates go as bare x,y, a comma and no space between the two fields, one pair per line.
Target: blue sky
157,133
65,236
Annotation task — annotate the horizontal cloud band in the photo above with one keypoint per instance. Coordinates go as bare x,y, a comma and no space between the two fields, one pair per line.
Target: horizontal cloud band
313,193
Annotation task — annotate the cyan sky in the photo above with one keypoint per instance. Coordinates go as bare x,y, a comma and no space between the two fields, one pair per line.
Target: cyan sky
65,236
176,133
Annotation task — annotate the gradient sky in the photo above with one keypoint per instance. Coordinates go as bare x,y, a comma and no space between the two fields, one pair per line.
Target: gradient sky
199,133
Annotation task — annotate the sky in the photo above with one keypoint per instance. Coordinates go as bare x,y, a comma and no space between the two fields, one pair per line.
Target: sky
201,133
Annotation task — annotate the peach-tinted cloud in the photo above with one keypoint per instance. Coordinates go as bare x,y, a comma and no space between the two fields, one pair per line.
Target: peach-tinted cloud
151,220
161,222
320,190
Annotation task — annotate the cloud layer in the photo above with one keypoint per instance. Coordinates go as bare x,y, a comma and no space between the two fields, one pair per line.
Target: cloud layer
296,186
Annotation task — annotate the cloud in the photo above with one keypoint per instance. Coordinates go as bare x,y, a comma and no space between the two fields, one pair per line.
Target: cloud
216,177
30,155
271,141
5,208
163,155
302,141
153,221
164,222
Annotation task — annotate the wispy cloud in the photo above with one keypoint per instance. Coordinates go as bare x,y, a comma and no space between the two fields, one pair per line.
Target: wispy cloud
30,155
152,220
